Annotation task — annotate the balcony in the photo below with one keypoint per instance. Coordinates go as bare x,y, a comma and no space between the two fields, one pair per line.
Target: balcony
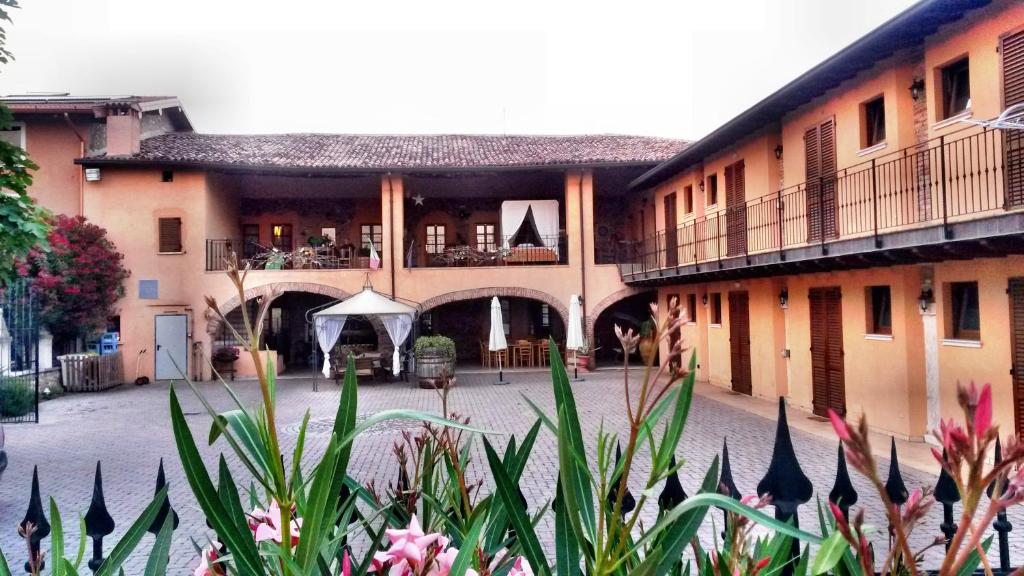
545,250
258,257
958,196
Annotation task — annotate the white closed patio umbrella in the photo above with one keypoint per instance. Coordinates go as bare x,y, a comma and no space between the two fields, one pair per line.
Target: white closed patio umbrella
496,341
574,336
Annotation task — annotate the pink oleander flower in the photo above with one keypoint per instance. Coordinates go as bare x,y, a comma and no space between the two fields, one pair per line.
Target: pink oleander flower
983,410
207,562
840,426
415,553
266,525
346,564
521,567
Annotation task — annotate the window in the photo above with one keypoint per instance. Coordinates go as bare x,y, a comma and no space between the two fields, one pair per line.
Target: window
956,88
716,308
485,238
170,235
281,237
688,200
712,189
250,240
14,134
505,316
167,176
691,307
435,238
371,233
873,122
545,315
964,316
878,304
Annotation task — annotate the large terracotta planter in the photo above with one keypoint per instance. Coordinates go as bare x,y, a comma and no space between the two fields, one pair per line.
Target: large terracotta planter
583,362
648,349
431,368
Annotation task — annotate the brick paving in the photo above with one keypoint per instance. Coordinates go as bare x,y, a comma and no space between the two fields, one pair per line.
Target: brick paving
129,430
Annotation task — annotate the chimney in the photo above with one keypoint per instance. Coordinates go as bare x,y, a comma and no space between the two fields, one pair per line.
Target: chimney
124,129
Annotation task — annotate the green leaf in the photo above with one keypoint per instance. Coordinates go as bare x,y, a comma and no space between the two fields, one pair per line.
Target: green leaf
5,570
681,532
470,543
520,521
161,552
56,541
829,554
241,544
570,494
567,547
81,541
675,427
974,559
132,536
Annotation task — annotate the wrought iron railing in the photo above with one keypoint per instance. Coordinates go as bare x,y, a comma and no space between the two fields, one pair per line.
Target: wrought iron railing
303,258
937,183
503,252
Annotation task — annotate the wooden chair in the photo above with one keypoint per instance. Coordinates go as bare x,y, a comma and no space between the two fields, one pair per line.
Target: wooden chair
543,352
485,355
524,353
500,356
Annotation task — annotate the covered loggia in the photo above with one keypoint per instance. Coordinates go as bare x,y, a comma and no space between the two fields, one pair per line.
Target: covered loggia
628,312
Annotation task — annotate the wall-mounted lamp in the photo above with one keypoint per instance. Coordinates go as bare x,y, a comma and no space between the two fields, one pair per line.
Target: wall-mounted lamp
778,152
926,298
702,185
784,298
917,88
704,299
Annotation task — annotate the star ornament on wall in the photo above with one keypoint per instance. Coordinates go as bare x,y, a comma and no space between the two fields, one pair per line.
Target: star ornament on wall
418,199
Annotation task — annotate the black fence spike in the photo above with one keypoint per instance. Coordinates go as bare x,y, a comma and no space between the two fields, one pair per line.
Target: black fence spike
785,481
843,493
894,486
725,482
158,522
557,500
37,518
98,523
628,502
1001,524
998,458
672,494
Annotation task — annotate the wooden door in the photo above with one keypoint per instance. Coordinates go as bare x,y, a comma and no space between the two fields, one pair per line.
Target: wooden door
739,342
828,382
1016,291
736,209
820,175
1011,49
671,225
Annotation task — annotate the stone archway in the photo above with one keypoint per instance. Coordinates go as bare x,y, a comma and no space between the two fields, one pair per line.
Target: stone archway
501,292
604,305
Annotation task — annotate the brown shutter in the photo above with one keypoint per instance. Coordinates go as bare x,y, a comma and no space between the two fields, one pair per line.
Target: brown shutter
828,174
1012,50
819,363
671,228
812,176
836,367
739,342
736,209
827,369
1016,290
170,234
820,153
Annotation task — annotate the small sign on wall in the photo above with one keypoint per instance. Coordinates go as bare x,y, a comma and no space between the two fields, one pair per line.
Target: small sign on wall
149,289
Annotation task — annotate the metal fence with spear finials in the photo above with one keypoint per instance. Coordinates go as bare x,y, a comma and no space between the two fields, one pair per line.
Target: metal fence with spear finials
19,353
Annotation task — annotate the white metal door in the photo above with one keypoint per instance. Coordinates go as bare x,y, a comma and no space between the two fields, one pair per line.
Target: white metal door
171,346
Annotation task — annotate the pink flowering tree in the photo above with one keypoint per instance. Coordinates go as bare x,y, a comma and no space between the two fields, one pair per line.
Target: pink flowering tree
78,279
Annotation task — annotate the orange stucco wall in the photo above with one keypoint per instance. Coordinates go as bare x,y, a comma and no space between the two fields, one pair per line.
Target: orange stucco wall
53,146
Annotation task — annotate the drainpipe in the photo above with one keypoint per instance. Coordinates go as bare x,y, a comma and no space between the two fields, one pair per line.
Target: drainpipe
391,217
81,169
583,259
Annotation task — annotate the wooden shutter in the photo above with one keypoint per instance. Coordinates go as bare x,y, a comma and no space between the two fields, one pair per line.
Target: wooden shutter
1016,290
820,173
1012,50
828,174
827,368
739,342
836,368
170,235
736,209
671,227
812,177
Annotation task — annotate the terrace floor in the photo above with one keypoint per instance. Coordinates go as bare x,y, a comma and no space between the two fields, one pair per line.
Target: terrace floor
129,430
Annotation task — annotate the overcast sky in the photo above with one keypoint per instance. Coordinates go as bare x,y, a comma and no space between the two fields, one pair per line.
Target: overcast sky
676,69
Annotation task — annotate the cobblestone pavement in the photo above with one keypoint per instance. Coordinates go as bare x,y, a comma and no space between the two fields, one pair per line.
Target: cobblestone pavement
128,429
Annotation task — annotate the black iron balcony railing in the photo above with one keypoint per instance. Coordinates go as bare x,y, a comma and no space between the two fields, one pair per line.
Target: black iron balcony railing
973,173
302,258
503,252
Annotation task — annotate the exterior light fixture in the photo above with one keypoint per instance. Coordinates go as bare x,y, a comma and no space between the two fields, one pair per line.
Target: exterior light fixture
778,152
92,174
926,298
784,298
701,184
704,299
917,88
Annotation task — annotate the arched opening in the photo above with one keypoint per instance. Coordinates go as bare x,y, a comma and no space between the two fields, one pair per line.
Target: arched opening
468,322
628,312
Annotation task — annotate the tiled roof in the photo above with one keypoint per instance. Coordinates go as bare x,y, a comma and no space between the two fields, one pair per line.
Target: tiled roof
395,152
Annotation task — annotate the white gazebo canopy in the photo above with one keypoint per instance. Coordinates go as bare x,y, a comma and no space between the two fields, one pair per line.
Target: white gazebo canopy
396,317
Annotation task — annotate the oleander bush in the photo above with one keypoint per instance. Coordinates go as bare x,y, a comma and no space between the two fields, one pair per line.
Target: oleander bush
17,397
442,344
446,514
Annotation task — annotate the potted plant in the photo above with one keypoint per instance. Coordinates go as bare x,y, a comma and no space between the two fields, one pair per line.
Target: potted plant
275,260
223,359
317,241
583,355
435,361
648,342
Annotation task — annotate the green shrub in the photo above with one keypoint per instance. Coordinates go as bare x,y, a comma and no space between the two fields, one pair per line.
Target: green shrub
442,344
17,397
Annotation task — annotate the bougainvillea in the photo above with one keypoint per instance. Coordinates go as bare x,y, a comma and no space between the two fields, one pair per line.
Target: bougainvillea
78,279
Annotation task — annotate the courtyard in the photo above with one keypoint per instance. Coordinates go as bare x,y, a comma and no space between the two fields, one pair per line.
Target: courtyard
128,429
